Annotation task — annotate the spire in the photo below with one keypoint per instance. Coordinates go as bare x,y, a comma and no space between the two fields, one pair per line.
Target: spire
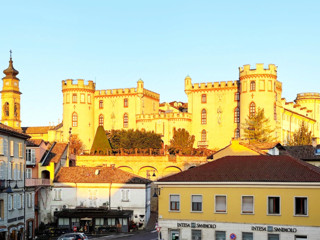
10,72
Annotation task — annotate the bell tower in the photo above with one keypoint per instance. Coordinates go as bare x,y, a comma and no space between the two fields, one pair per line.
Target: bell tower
10,97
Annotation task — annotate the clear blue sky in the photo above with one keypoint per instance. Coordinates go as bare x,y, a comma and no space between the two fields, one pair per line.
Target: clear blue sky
117,42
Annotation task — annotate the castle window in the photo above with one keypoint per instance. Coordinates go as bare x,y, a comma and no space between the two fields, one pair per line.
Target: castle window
100,120
237,96
203,136
6,109
203,98
74,119
101,104
125,120
74,98
237,133
252,109
82,98
203,116
275,111
237,115
252,86
89,98
125,102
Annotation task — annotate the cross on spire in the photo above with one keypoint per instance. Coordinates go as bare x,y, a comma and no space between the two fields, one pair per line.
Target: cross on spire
10,53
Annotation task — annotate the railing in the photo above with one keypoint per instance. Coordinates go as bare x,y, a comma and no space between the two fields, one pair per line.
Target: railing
31,182
202,144
31,162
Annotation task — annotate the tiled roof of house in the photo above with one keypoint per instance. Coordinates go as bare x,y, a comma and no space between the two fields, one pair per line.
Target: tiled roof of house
97,175
54,154
11,131
34,142
259,168
36,130
305,152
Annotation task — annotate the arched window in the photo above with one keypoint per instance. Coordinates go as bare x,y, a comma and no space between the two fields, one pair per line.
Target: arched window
203,136
252,86
100,120
252,109
6,109
203,116
74,119
237,133
125,120
275,111
203,98
237,115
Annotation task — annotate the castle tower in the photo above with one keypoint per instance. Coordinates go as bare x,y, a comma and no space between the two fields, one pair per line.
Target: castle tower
10,97
261,89
78,110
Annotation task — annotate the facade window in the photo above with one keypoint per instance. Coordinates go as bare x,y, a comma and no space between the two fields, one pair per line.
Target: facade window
125,120
204,98
252,109
20,149
196,202
237,133
10,202
220,235
82,96
247,236
111,221
273,237
203,116
31,156
220,204
28,173
63,222
203,136
237,96
125,102
2,170
30,200
11,148
174,202
1,209
273,205
275,111
99,221
10,170
57,195
196,234
1,146
125,195
21,171
6,109
301,206
89,98
247,204
237,115
100,120
74,98
299,237
100,104
252,86
74,119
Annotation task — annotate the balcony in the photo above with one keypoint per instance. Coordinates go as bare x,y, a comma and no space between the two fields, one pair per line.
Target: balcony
32,163
37,182
202,144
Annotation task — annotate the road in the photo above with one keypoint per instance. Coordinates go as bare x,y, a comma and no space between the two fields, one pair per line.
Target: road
130,236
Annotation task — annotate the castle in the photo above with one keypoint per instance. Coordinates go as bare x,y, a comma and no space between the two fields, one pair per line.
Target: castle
214,112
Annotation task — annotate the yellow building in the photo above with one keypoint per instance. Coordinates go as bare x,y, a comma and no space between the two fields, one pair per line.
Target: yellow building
241,197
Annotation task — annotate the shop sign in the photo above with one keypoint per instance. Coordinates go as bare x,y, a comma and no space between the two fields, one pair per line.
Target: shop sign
196,225
274,229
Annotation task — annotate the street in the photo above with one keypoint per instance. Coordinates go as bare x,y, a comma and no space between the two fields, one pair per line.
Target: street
153,235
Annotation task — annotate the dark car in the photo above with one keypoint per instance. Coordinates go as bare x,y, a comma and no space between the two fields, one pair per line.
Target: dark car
73,236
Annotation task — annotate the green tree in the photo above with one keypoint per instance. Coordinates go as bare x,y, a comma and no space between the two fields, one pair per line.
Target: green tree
303,136
100,143
182,142
257,128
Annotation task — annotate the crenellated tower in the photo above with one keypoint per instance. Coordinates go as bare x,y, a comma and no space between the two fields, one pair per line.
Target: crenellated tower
10,97
261,89
78,110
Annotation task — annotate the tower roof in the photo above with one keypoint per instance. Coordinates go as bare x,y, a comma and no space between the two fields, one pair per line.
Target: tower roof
10,72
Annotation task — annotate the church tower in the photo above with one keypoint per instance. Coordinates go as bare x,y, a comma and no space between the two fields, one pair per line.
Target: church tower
10,97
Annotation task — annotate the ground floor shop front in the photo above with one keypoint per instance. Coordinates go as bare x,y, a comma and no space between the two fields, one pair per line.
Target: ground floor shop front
203,230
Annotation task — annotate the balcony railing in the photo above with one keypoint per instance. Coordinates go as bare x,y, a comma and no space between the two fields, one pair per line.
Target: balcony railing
31,162
34,182
202,144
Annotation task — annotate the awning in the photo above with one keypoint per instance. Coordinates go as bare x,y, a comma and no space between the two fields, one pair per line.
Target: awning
90,213
86,219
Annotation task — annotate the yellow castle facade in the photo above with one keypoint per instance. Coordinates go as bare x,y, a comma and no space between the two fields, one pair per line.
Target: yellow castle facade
214,113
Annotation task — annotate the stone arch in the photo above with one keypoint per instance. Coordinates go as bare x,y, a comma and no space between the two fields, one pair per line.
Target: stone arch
170,170
126,168
148,172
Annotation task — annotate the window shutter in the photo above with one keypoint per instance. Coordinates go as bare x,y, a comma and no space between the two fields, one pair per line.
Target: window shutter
33,156
5,147
1,146
196,198
2,170
9,170
22,197
32,199
247,204
174,198
220,203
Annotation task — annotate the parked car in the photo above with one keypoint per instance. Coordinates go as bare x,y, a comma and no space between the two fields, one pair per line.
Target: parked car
73,236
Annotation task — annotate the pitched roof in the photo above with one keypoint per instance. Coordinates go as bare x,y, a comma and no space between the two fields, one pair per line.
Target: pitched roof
305,152
54,154
34,142
259,168
105,175
11,131
36,130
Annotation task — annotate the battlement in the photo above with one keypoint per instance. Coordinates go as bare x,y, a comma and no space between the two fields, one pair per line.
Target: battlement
309,95
168,116
78,84
260,70
118,91
212,86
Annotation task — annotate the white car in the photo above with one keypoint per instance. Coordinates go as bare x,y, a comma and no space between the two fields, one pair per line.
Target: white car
73,236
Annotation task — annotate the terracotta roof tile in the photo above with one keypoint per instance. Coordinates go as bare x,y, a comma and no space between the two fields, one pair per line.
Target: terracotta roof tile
105,175
259,168
34,142
305,152
36,130
12,131
54,153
